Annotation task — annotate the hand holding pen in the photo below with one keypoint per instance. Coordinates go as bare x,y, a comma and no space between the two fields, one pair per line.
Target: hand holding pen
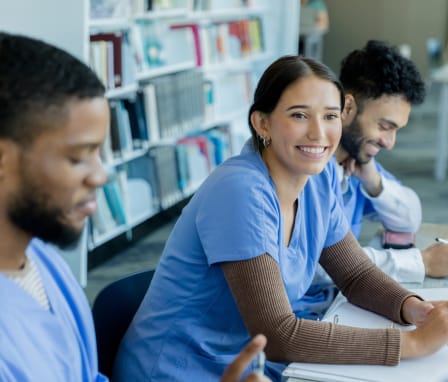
435,258
259,363
253,349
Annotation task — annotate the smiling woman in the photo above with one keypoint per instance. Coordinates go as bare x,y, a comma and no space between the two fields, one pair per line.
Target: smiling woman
245,249
304,129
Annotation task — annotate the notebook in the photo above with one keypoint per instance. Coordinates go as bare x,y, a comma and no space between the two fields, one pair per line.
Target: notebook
433,368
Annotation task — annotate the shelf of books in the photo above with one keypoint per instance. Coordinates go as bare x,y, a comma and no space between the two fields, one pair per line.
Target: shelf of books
179,76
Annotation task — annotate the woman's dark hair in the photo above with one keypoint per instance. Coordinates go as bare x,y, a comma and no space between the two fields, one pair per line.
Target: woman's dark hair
280,75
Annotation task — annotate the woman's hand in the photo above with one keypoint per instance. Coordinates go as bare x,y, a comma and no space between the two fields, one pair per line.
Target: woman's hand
431,319
414,311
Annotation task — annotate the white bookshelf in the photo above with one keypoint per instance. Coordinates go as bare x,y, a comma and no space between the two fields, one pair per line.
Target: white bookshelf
166,69
67,24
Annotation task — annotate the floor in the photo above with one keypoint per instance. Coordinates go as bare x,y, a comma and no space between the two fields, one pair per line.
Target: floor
412,160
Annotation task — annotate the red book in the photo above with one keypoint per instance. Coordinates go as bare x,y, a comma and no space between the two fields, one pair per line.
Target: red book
244,37
117,40
202,143
196,38
235,30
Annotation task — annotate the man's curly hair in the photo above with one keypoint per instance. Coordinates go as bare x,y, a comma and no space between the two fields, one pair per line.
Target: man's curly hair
379,69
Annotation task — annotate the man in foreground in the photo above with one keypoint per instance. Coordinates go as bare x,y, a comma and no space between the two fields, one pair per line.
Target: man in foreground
53,120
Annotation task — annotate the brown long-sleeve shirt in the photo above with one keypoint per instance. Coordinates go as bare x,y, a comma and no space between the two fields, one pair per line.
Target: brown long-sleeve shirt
259,292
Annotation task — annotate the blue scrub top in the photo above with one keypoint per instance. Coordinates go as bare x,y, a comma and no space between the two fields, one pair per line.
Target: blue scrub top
356,206
188,327
47,345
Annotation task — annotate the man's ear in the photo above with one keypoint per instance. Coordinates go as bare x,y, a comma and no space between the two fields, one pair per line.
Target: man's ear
350,109
260,124
3,156
9,152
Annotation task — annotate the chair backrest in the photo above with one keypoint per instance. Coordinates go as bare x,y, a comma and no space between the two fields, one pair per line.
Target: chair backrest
113,310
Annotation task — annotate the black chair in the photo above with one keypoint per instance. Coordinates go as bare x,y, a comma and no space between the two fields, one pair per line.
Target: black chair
113,310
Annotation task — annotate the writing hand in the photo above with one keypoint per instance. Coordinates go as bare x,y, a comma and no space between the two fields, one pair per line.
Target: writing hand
435,259
242,361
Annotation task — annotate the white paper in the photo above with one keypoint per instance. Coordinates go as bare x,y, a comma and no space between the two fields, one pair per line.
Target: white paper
433,368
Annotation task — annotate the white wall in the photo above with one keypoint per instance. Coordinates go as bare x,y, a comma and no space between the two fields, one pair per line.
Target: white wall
353,22
60,22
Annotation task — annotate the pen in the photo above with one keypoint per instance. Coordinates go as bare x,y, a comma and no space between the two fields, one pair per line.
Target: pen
259,363
443,241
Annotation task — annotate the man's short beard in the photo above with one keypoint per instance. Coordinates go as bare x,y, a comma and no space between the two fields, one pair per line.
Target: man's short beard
32,215
352,141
